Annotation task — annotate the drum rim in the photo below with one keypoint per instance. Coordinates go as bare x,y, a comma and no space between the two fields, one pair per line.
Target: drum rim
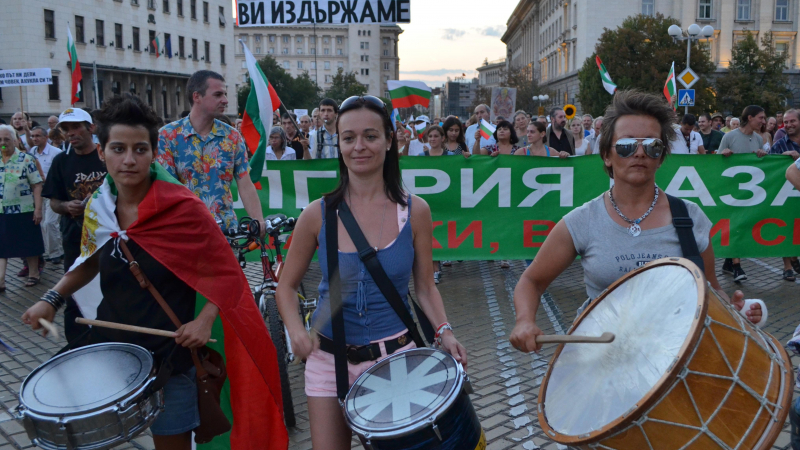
458,386
660,386
25,408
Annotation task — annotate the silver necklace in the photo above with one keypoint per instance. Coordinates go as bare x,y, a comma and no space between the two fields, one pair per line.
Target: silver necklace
634,230
380,236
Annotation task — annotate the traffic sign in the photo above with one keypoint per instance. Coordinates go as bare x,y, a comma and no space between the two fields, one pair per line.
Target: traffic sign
688,78
686,97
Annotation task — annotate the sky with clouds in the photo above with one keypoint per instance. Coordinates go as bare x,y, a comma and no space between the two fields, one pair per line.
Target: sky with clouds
447,38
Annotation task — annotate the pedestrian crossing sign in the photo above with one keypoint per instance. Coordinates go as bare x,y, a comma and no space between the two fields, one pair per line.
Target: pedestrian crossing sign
685,97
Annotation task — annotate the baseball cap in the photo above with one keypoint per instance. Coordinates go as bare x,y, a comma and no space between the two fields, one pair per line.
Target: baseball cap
74,115
423,119
717,115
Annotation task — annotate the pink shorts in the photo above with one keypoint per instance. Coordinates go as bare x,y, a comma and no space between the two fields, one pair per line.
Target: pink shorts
321,375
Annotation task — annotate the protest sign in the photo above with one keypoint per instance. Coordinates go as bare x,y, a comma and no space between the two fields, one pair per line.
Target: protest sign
25,77
503,102
300,112
260,13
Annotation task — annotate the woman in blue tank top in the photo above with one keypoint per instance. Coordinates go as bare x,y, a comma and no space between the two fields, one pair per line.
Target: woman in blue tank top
398,226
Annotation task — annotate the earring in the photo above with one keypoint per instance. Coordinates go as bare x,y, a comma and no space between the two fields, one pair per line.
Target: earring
388,148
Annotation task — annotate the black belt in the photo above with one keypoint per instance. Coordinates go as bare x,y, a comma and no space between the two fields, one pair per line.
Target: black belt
364,353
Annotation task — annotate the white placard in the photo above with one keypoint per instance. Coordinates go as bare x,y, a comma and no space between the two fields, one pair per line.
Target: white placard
25,77
300,112
261,13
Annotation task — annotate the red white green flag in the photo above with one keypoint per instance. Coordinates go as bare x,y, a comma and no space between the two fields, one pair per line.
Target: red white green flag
420,130
405,94
75,68
251,397
257,119
609,85
670,89
487,129
156,46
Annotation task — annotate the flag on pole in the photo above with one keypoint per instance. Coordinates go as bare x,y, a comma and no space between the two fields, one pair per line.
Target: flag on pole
156,46
394,118
257,119
487,129
168,47
609,85
420,129
75,68
405,94
670,90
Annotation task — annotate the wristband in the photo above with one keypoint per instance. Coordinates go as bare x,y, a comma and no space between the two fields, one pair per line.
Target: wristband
54,298
442,328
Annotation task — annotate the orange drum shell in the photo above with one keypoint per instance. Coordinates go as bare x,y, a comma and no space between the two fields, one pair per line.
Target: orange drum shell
699,353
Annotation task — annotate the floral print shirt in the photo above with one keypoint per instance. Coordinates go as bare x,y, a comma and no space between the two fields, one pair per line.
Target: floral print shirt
17,177
205,166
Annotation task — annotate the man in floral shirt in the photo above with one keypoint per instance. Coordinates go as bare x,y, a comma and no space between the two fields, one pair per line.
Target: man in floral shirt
205,154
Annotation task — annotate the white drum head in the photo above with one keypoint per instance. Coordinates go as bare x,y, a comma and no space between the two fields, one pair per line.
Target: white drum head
592,385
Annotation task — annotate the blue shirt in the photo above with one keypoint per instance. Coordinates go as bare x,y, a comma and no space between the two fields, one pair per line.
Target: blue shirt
368,316
784,145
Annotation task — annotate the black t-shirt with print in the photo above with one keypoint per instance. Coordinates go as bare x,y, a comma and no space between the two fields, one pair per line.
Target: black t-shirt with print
73,177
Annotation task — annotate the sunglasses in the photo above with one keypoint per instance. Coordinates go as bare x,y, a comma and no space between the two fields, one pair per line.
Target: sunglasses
626,147
360,100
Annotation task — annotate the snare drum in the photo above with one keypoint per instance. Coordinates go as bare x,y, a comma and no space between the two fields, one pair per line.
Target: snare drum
90,398
686,370
413,400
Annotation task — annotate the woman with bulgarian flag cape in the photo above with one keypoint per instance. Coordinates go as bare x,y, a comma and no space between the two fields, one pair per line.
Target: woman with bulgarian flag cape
171,234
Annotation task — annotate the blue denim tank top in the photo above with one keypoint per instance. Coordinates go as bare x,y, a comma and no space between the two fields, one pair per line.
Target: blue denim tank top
367,314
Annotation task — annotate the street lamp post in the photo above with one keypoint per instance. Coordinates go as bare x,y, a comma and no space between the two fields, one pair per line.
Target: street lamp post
694,33
541,98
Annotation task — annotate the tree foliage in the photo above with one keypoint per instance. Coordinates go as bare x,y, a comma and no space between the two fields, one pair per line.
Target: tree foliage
295,93
755,77
638,55
344,85
524,79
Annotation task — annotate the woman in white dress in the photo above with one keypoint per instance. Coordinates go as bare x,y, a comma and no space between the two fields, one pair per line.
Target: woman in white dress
581,143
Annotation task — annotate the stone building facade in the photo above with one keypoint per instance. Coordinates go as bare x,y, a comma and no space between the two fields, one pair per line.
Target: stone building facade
490,72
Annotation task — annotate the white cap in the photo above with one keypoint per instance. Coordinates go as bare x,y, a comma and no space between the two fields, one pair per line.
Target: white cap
422,119
74,115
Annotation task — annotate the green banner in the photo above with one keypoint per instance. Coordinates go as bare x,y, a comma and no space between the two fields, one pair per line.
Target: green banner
503,208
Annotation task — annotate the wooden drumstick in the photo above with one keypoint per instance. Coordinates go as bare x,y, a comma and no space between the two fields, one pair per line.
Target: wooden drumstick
47,325
133,328
605,338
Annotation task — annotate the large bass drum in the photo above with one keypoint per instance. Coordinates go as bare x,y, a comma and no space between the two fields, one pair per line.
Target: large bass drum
91,398
686,370
413,400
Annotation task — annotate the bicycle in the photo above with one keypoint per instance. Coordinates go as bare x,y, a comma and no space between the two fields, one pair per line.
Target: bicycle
277,227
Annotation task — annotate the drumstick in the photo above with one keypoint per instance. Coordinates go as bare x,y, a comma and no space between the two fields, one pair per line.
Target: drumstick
133,328
604,338
47,325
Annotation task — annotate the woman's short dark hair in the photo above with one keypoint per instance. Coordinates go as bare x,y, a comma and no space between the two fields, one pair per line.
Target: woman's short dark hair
752,110
130,110
636,103
542,129
392,180
507,125
436,128
451,122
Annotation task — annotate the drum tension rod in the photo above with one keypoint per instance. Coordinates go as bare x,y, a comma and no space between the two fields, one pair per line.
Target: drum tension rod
435,428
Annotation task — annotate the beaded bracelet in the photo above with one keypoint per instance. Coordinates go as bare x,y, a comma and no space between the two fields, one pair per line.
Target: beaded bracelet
442,328
54,298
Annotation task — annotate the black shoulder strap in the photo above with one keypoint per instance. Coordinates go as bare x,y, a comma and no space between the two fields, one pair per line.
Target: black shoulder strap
335,293
369,257
320,139
683,225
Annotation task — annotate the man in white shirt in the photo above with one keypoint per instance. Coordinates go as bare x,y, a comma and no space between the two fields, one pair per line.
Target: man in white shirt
52,122
481,113
22,123
687,141
324,144
44,154
416,146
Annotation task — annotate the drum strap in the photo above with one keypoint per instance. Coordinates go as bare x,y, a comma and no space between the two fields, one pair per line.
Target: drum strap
683,225
335,293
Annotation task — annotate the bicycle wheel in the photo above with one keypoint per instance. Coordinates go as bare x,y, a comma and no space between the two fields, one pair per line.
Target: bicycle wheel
279,339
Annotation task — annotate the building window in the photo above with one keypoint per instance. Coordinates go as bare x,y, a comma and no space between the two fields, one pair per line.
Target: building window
53,89
325,40
244,64
258,50
385,41
117,35
359,32
328,78
339,52
313,65
313,51
271,38
338,40
100,37
132,88
193,9
165,6
286,65
222,16
386,53
79,34
207,51
781,10
364,71
364,58
369,32
136,39
326,51
222,54
704,10
271,50
299,51
327,65
167,38
312,40
299,64
49,24
648,7
151,48
299,40
194,50
386,66
181,51
340,64
743,10
151,4
365,46
285,51
180,8
205,12
115,88
178,95
285,39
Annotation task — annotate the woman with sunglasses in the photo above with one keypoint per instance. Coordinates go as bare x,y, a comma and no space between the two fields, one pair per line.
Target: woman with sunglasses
398,226
625,227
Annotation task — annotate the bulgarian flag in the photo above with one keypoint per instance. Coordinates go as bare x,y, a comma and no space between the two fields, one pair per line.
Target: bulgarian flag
607,83
251,397
420,130
405,94
487,129
670,90
156,46
75,68
257,118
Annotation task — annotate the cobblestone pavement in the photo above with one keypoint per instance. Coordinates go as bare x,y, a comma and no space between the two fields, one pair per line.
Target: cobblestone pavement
478,297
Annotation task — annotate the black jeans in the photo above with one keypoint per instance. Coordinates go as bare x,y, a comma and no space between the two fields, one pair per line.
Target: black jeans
71,329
